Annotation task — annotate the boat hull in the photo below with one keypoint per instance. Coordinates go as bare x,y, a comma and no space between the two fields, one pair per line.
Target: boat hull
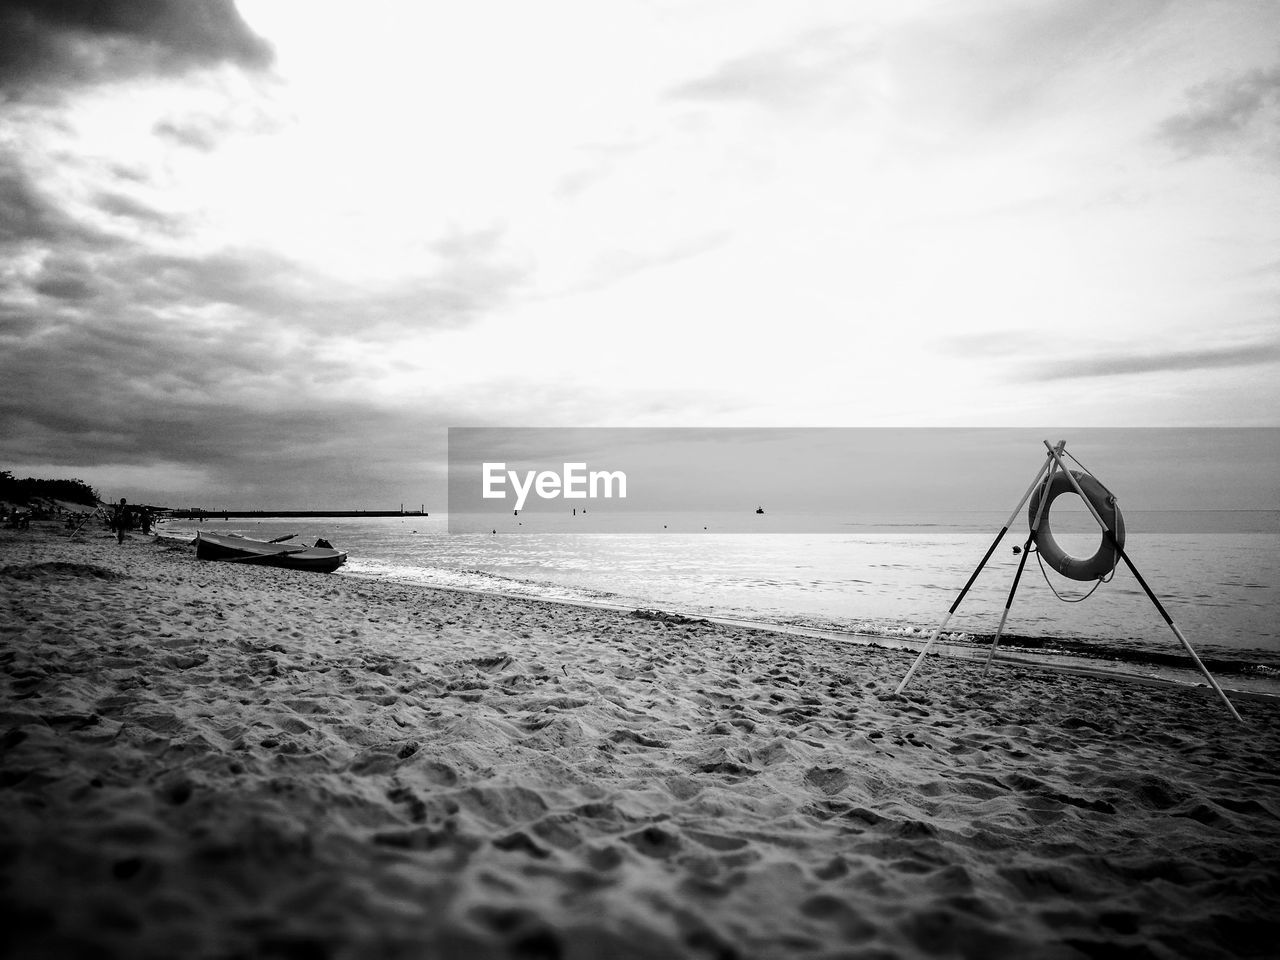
235,549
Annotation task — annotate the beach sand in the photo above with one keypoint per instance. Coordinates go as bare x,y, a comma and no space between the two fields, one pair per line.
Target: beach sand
212,760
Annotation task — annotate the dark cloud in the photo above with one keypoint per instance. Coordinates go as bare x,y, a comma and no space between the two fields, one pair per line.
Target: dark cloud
66,287
1222,114
65,42
470,273
257,281
16,325
1165,361
1043,357
120,348
128,390
473,277
25,211
248,411
223,365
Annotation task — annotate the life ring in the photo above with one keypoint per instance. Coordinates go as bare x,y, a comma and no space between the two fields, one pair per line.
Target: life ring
1105,557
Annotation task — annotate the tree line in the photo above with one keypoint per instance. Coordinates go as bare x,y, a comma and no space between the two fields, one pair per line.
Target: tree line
23,491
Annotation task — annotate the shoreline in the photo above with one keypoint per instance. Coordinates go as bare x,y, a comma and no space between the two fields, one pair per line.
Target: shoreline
1134,642
1155,655
1053,662
1177,675
210,759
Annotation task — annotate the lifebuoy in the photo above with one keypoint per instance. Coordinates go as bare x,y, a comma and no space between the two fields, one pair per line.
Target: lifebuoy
1105,557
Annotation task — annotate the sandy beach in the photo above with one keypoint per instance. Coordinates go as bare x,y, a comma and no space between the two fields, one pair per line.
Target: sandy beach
212,760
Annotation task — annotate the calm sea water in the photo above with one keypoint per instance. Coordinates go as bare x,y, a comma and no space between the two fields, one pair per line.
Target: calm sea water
887,580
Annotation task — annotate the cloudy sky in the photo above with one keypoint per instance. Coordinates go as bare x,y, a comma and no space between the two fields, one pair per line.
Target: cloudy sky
265,253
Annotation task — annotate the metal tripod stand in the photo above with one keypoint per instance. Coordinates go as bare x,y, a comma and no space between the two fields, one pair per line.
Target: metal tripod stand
1052,464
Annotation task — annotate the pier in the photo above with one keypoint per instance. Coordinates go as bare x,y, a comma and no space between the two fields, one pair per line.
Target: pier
197,514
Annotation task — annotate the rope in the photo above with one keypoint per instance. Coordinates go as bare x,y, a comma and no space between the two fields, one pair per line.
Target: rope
1092,474
1044,573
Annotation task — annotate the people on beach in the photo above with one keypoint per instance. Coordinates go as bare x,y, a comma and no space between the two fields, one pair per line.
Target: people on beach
120,519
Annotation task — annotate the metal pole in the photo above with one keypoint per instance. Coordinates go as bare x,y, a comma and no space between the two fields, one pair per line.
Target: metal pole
83,522
1110,537
1022,563
1174,627
974,576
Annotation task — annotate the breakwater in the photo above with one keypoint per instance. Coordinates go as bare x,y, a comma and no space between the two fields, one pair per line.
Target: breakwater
262,514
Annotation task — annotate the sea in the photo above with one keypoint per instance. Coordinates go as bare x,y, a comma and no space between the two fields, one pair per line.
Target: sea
880,580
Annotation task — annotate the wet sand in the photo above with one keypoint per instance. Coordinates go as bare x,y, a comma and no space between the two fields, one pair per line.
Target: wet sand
212,760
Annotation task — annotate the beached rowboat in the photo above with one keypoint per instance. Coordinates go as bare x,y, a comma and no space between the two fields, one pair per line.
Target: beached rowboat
295,556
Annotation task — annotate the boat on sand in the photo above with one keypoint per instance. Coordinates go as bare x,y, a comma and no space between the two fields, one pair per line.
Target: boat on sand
320,558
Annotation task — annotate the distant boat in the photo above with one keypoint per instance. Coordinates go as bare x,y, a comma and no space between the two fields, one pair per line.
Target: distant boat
759,509
294,556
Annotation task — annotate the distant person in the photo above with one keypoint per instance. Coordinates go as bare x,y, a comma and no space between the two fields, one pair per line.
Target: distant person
120,518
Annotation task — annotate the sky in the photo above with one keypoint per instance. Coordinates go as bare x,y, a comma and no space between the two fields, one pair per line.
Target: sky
264,254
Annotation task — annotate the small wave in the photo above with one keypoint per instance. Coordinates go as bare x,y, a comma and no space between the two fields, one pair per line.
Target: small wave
1257,664
483,581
